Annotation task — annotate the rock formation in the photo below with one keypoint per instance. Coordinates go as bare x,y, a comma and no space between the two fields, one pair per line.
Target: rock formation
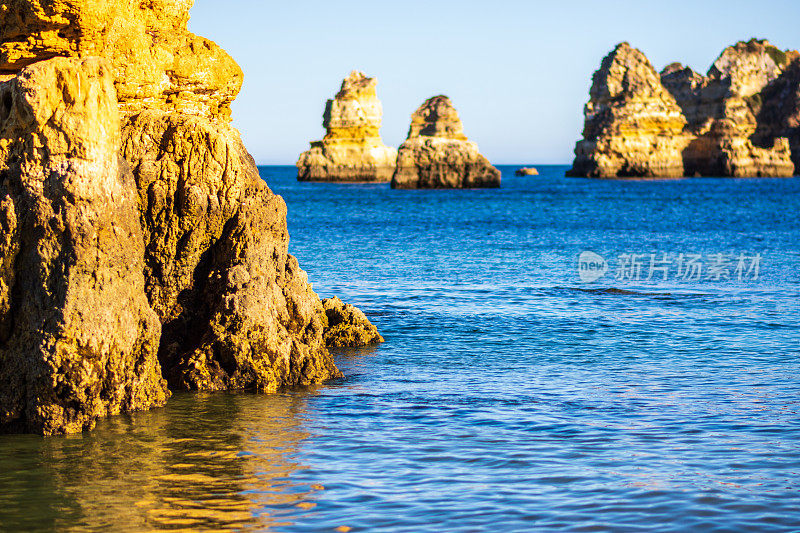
634,127
352,149
78,339
347,326
737,119
779,114
178,249
526,171
437,154
721,109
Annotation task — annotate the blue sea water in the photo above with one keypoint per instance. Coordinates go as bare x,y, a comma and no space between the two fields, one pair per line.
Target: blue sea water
509,395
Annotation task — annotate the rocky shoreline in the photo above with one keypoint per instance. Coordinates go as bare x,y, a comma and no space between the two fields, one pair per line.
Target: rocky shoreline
142,253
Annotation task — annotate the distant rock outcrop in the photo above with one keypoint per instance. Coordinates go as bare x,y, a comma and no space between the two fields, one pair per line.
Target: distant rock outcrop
738,120
526,171
178,250
634,126
722,112
352,149
437,154
778,116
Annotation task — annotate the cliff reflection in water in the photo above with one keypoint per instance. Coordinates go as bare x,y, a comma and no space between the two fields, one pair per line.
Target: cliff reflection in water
211,462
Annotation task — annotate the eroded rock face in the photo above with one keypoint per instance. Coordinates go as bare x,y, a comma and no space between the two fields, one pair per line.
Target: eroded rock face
779,115
346,326
236,309
437,154
722,111
352,149
78,339
634,126
156,62
732,123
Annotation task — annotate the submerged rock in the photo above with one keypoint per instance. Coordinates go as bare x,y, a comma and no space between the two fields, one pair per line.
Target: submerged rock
437,154
347,326
78,339
634,126
352,149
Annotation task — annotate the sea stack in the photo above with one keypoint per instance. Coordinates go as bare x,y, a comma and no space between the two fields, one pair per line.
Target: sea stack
740,120
634,126
723,108
437,154
166,266
352,150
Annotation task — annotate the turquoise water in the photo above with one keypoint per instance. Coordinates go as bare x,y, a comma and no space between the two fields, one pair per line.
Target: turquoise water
509,396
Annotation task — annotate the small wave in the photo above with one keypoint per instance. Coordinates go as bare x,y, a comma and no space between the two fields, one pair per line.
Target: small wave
626,292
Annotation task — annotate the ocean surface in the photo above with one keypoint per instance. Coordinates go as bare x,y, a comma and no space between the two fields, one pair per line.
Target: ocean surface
513,393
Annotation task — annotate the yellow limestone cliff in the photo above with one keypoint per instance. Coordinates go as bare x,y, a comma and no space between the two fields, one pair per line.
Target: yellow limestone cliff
722,110
634,126
177,249
739,120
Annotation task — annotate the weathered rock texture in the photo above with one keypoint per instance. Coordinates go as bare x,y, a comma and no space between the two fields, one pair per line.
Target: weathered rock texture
78,339
739,120
237,310
352,149
722,112
157,63
778,116
347,326
187,256
437,154
634,126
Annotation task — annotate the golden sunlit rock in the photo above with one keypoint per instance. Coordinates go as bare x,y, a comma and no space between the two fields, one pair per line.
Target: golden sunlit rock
352,149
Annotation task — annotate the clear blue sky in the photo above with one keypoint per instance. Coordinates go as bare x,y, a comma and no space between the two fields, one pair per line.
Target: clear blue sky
517,71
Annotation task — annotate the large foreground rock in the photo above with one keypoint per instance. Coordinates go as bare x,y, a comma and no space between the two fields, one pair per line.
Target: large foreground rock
437,154
78,339
157,63
352,149
179,249
238,311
